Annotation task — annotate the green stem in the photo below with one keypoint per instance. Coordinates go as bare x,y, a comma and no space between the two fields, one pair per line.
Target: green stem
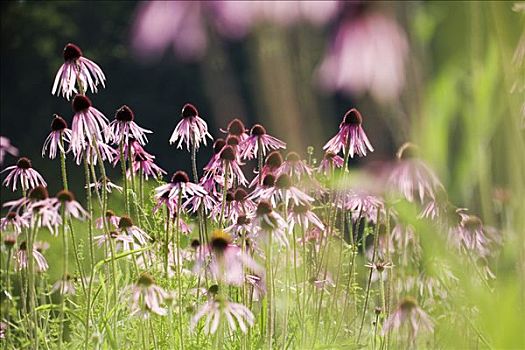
124,177
224,191
63,163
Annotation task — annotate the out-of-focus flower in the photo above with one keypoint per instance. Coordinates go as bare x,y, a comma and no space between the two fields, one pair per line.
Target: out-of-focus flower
76,68
110,186
111,219
411,177
259,140
13,221
124,127
160,25
191,130
21,259
295,167
330,162
56,140
284,192
409,314
88,124
362,204
64,286
6,148
123,242
219,307
23,171
351,137
301,214
147,297
65,200
267,222
367,55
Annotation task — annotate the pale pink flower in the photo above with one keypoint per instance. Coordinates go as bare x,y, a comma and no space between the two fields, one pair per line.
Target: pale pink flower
469,234
351,136
268,222
21,259
90,154
362,204
23,171
259,140
215,161
272,165
179,186
191,130
236,128
56,140
218,307
64,286
240,227
76,68
225,261
230,165
88,124
126,226
302,215
13,221
143,162
295,167
123,242
283,192
410,315
6,148
330,162
411,177
110,186
367,55
124,127
147,297
111,219
65,200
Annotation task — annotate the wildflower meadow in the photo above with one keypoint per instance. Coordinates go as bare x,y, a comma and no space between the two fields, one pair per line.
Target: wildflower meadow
252,244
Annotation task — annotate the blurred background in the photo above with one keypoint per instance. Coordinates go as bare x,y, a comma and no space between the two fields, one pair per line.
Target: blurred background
443,75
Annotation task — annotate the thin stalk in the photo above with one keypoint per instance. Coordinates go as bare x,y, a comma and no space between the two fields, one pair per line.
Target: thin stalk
167,241
224,191
31,284
64,276
63,163
269,297
124,177
178,261
376,234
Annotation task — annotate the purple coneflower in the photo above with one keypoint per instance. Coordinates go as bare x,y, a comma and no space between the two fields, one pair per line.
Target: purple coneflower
124,127
192,129
268,222
126,226
13,221
361,204
351,137
122,241
111,219
64,286
23,171
147,297
230,168
469,234
330,162
21,259
411,177
110,186
302,215
283,192
241,227
217,307
228,261
76,68
179,186
408,314
271,166
66,200
144,162
236,128
6,147
295,167
378,267
259,139
214,161
88,124
59,135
